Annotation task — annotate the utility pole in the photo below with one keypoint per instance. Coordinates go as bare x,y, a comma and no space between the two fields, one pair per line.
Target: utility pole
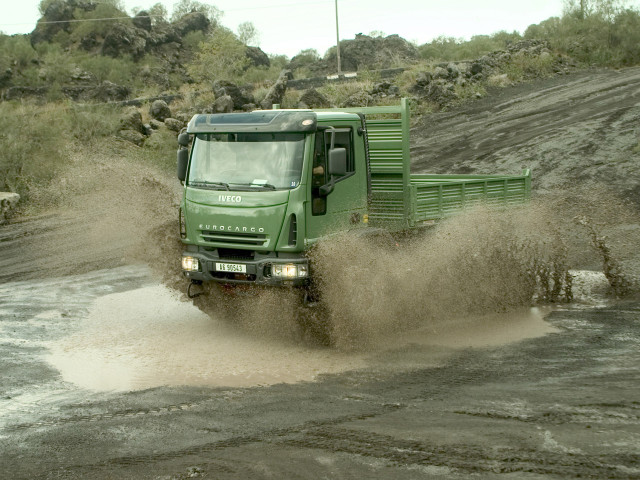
338,40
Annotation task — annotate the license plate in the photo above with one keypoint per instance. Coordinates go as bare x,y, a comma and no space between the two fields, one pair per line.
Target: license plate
231,267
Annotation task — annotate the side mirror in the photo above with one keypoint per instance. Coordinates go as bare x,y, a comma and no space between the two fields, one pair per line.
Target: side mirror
183,139
183,160
338,162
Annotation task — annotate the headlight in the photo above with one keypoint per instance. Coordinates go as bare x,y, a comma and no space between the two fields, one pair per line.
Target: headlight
190,264
290,270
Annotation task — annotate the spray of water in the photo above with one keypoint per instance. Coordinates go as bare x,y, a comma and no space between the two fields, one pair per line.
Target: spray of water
481,261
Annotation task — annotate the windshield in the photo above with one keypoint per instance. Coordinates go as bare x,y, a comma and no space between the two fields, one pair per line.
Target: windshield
246,161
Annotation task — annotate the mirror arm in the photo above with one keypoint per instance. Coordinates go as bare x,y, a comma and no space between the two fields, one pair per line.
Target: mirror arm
327,188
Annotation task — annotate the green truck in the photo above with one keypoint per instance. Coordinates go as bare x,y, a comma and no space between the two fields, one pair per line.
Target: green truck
261,188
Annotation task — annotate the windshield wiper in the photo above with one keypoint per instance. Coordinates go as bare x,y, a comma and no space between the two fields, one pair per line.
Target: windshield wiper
204,183
258,185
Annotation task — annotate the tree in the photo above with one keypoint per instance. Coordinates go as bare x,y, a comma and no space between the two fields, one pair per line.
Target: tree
248,34
184,7
221,57
158,13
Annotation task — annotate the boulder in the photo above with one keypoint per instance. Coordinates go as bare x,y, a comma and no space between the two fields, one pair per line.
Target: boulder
476,68
313,99
257,57
132,120
107,92
155,124
453,70
184,117
8,203
192,22
123,39
82,76
132,136
275,95
371,53
174,124
142,20
440,72
385,89
159,110
223,104
240,97
359,99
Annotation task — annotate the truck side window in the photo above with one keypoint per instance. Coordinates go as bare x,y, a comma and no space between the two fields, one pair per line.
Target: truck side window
342,139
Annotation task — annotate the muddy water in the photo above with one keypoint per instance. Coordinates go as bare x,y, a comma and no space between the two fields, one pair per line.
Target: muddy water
148,337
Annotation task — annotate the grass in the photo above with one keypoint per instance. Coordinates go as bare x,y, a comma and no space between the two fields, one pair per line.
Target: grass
38,142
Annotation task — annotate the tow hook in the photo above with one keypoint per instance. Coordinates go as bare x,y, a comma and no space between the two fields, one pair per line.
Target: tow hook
195,294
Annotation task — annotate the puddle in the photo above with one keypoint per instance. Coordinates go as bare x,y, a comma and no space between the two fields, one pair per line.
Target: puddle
146,338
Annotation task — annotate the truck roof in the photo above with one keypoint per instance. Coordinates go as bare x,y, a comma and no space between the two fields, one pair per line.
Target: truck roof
267,121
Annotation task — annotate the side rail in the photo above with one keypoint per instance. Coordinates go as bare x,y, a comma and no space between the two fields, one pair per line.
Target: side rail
437,196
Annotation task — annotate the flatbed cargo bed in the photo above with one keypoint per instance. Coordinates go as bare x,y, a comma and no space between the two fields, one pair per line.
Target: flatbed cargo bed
400,199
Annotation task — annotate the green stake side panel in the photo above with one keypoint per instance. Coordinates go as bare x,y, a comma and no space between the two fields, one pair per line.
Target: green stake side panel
400,199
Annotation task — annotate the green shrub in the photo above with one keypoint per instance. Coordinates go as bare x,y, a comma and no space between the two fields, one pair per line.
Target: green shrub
221,57
338,93
36,140
601,33
523,66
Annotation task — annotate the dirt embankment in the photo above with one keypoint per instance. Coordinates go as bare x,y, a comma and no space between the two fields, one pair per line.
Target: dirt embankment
570,130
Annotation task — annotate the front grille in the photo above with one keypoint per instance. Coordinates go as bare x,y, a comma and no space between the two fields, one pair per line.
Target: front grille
255,239
235,254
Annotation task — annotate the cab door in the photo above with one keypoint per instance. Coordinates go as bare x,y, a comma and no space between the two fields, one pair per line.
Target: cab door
346,205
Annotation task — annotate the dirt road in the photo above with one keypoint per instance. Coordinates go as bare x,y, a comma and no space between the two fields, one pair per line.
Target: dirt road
108,374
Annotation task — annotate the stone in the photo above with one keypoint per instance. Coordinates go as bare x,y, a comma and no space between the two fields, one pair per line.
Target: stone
132,136
159,110
314,99
8,204
174,124
107,92
275,95
453,70
257,57
155,124
223,104
359,99
132,120
476,68
440,72
424,79
240,96
142,20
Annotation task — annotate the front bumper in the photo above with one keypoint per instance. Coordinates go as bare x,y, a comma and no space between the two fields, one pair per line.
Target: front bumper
258,268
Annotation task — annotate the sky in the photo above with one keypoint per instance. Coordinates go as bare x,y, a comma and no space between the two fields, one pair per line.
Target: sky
288,26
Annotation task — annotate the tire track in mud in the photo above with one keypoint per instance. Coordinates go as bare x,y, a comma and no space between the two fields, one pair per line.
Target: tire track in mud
465,458
552,125
274,435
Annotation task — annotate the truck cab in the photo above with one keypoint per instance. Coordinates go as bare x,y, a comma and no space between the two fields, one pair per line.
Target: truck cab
260,188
